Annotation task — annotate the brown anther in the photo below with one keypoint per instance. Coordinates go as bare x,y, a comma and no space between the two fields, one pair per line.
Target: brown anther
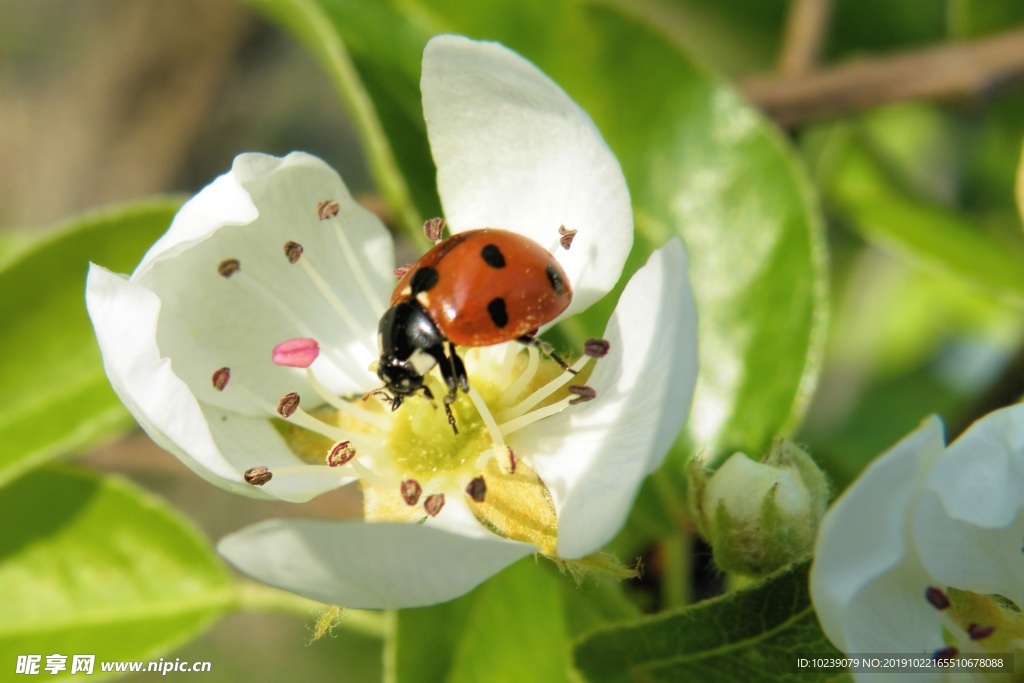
583,393
936,598
511,461
400,271
257,476
411,491
220,378
327,208
596,348
288,404
340,453
945,654
292,251
566,236
229,267
979,632
433,504
434,228
477,489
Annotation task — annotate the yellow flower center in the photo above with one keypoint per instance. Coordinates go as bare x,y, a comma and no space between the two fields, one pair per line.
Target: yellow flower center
410,462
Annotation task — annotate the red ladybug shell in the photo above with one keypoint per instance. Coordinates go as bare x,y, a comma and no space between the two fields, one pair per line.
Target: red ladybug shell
486,286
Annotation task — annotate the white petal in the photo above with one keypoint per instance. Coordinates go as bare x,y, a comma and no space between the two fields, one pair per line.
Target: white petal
222,202
863,542
980,479
208,321
218,447
367,566
890,614
594,456
978,559
514,151
972,500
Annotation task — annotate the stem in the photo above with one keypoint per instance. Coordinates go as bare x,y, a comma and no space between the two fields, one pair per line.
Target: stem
320,34
806,27
256,597
944,72
676,549
676,584
390,654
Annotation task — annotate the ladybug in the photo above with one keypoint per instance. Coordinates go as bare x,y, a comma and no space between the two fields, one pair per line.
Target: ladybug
476,288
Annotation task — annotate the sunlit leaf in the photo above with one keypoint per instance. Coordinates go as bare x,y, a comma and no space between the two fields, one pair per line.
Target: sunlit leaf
58,398
92,565
931,235
699,163
510,629
749,635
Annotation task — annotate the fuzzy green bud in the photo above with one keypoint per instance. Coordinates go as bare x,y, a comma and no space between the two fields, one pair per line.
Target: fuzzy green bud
760,516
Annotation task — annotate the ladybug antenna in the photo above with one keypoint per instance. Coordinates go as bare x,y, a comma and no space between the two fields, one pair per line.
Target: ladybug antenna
530,339
526,411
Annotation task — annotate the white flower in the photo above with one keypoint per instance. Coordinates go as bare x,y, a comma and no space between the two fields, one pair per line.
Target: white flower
923,553
277,251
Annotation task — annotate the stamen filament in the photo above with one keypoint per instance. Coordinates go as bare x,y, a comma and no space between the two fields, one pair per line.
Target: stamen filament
368,475
307,421
524,379
488,418
545,391
342,406
481,460
356,268
339,307
343,472
509,361
518,423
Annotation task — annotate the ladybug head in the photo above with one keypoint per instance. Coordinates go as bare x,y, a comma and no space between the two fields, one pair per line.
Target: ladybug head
400,377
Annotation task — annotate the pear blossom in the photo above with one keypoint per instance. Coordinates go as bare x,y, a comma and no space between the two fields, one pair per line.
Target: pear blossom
759,516
924,553
244,343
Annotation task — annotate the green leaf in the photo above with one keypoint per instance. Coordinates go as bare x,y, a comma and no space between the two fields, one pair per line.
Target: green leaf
699,163
12,244
975,18
59,399
929,234
752,634
512,629
96,566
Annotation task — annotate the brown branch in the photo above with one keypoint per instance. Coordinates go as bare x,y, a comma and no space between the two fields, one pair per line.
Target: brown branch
946,72
806,27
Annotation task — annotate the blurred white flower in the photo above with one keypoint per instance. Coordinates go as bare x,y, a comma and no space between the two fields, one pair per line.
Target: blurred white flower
243,344
924,553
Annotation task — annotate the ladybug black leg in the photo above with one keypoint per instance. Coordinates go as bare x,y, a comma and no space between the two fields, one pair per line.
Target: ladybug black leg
545,348
447,408
450,368
461,378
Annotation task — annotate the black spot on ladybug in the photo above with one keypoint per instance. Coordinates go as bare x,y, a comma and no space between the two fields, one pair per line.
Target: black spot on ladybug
493,256
496,309
555,279
423,279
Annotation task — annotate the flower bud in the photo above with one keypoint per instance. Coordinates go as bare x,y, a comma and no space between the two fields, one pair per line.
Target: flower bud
760,516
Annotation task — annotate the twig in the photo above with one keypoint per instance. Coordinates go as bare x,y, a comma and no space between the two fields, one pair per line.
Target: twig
946,72
806,27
